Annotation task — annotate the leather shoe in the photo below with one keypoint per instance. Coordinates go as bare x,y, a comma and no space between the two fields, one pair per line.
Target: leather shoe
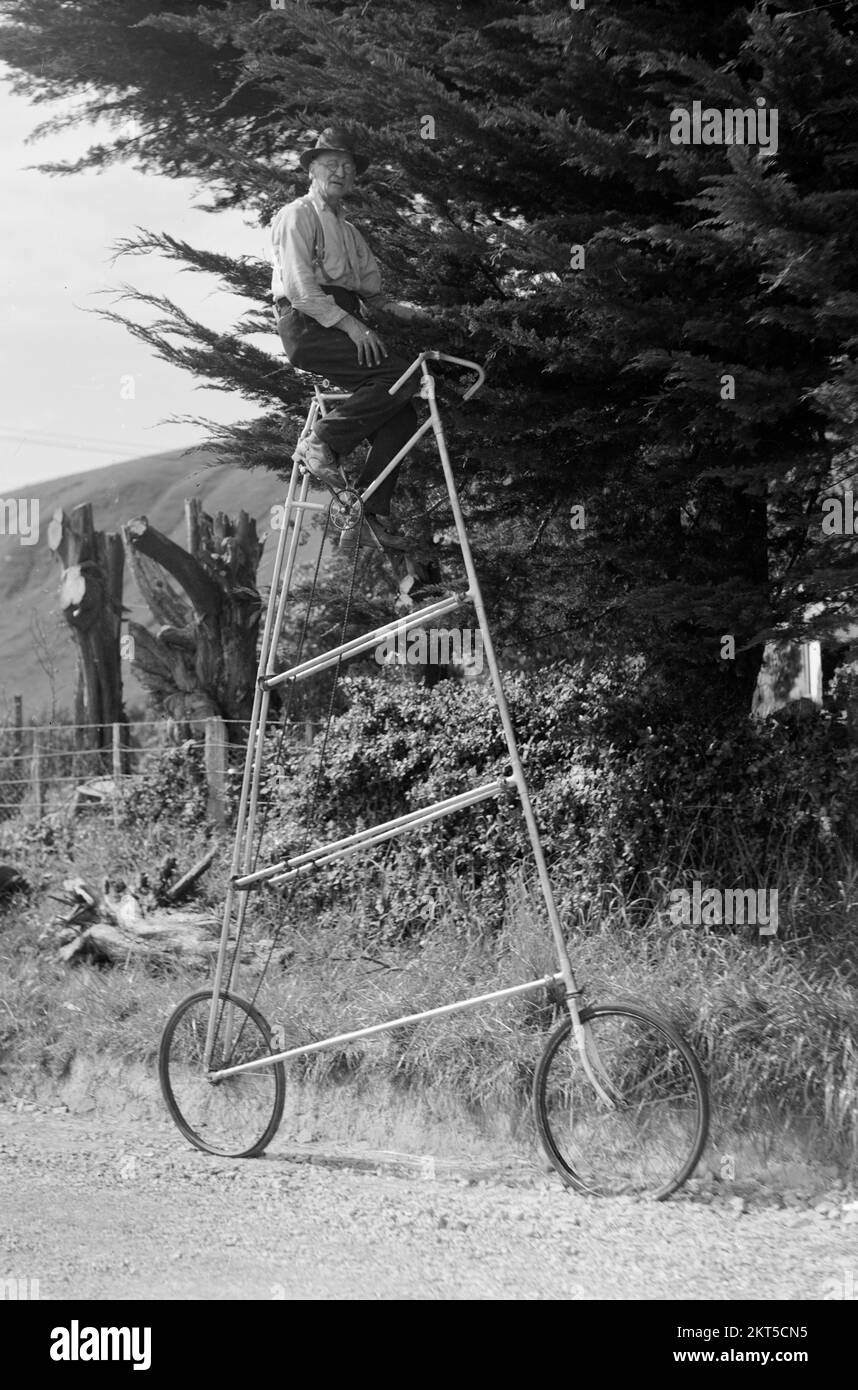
320,461
374,531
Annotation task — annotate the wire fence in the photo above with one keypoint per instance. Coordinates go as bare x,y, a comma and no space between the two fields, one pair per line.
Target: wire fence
56,767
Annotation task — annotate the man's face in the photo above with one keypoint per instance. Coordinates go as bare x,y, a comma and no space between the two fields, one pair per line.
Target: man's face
333,175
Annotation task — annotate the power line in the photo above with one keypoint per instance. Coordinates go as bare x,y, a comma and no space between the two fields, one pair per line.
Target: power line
73,442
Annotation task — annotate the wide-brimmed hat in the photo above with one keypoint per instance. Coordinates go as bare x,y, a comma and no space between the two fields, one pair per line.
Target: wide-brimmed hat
335,139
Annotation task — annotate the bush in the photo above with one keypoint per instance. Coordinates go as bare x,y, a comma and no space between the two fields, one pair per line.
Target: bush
172,787
619,802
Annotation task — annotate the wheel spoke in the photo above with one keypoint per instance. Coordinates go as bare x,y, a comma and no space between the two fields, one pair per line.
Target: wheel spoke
238,1115
649,1138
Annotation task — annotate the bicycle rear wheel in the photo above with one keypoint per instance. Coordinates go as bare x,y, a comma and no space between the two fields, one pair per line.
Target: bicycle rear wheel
645,1132
238,1116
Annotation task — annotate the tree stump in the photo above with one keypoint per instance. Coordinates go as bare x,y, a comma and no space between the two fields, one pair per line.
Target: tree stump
201,661
91,600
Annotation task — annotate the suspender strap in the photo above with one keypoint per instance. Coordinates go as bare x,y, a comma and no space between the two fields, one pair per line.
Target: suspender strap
318,240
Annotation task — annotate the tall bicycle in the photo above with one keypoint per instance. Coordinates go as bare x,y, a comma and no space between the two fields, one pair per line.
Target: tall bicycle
619,1096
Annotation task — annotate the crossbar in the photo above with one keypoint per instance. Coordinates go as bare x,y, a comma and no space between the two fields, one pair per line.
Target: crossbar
372,835
363,644
375,1028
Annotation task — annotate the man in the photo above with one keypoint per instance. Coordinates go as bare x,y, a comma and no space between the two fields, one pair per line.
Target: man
324,272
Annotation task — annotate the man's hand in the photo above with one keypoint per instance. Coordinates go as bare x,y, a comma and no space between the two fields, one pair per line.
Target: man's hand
370,348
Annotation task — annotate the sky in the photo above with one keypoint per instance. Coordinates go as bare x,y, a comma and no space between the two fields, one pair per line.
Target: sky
78,392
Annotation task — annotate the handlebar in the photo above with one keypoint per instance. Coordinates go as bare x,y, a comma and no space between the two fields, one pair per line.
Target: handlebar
442,357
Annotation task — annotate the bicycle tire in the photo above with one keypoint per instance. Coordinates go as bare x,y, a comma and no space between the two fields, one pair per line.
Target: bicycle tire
580,1130
246,1096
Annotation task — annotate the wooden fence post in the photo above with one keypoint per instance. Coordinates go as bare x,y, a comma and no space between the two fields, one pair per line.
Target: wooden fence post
117,770
36,776
18,719
216,769
19,777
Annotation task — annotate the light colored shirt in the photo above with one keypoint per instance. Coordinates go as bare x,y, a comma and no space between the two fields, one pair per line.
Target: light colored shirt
348,261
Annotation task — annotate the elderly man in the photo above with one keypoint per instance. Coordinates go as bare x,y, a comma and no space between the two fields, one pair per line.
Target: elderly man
324,273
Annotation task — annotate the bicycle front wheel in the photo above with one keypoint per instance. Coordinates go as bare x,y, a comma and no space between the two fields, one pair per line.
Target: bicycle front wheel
238,1116
633,1119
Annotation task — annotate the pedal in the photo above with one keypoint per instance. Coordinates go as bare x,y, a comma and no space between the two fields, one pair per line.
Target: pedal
360,536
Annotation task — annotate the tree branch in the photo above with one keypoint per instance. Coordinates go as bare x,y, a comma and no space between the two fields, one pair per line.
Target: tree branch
205,596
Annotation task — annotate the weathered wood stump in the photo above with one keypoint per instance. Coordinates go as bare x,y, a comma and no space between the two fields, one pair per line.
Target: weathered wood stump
138,922
201,662
91,600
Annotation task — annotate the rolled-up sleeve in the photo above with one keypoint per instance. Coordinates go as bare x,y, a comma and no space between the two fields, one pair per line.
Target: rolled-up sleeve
292,237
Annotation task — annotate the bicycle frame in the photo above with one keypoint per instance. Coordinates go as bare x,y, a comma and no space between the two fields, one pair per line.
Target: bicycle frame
243,878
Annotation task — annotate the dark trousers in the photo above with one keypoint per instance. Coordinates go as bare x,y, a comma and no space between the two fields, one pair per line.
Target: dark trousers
388,422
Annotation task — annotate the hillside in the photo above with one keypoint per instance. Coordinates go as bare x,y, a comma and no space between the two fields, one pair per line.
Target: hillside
154,486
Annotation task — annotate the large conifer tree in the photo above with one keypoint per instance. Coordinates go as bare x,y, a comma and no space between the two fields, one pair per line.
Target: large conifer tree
524,185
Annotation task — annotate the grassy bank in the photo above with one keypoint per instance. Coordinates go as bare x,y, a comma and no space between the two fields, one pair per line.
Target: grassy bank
772,1018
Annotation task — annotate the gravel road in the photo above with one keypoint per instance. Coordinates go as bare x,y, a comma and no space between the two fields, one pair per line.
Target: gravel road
94,1209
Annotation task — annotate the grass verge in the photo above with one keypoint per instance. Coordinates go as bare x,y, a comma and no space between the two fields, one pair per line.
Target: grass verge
773,1019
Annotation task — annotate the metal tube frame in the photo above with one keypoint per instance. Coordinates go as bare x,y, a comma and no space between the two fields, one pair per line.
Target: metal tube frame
529,987
373,835
363,644
242,878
